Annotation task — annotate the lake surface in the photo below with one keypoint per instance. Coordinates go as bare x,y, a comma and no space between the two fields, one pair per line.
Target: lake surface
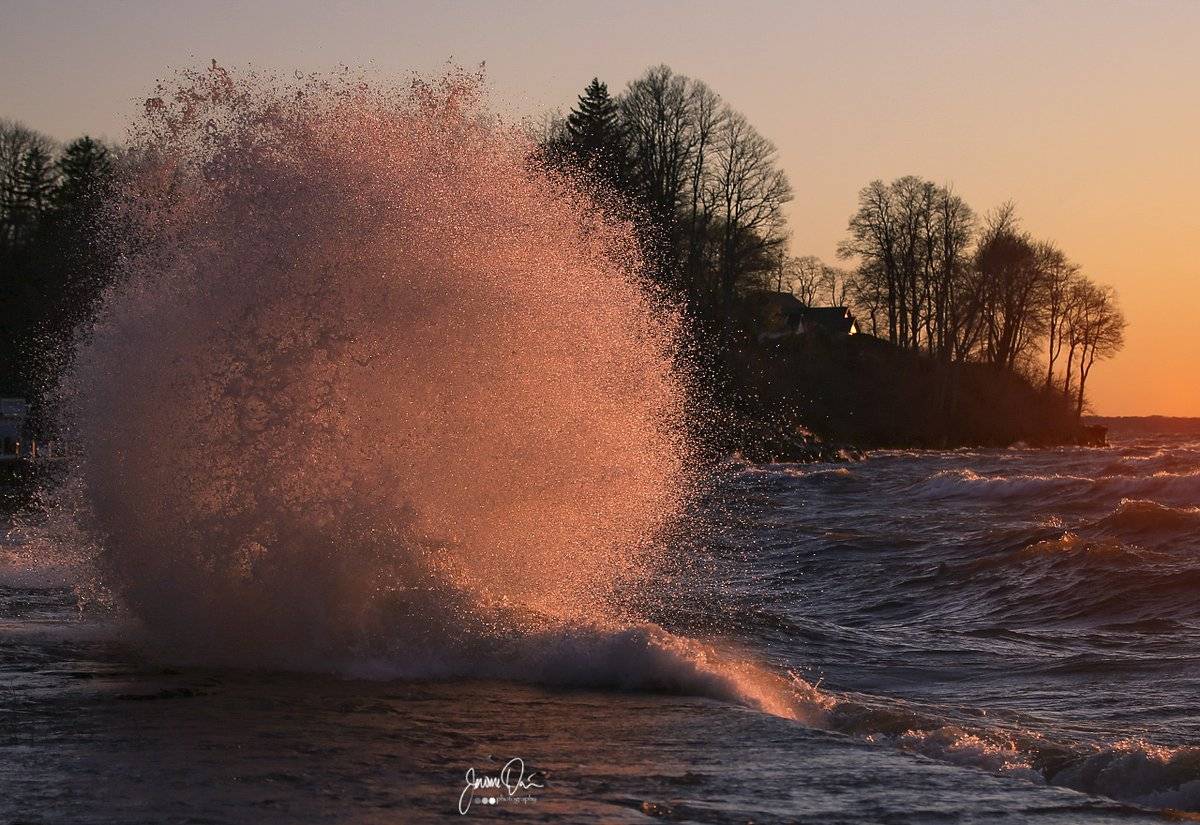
1001,635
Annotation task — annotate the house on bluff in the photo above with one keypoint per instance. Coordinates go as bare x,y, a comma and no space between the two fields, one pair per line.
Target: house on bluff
780,315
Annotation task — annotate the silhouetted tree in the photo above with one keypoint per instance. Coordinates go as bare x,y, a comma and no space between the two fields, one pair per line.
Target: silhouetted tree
834,285
24,173
806,276
866,295
52,270
1060,278
83,265
914,236
658,116
707,114
874,231
1098,331
1012,283
708,183
594,138
85,170
950,234
750,190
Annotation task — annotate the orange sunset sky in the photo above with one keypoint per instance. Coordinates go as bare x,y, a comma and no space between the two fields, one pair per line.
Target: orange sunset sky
1086,114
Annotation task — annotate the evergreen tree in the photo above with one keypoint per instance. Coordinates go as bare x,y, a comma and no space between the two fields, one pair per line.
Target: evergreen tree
28,188
30,194
53,271
74,269
594,138
85,169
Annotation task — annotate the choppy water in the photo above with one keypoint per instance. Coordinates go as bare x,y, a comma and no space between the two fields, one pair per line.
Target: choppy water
995,636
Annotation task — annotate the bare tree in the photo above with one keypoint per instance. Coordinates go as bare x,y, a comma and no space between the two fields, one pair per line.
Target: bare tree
1098,330
953,229
1072,327
749,190
548,128
707,115
658,113
912,200
914,235
806,275
1061,277
26,176
873,240
1011,283
967,319
867,298
834,285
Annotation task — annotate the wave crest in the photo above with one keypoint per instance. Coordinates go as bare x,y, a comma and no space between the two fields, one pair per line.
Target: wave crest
955,483
1142,515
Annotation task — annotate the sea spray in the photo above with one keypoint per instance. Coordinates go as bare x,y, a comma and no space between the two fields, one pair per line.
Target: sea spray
377,393
369,377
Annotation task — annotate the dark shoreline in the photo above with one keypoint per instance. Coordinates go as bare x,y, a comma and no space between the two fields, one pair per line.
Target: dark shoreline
1094,431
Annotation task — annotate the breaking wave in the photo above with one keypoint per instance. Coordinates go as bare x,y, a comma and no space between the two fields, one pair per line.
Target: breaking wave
950,483
1143,516
1179,486
1130,770
376,394
376,387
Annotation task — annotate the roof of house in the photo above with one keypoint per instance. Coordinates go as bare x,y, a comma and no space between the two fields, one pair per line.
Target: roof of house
834,316
785,302
832,320
798,314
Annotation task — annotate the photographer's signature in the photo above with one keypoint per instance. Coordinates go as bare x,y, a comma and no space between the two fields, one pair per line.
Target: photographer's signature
511,780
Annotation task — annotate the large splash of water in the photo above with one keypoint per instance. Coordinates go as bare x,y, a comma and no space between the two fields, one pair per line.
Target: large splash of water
368,364
378,393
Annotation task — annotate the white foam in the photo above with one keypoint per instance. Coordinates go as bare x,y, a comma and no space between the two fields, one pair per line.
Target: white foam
950,483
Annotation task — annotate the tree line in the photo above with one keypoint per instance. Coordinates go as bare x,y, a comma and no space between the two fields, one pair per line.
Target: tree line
707,184
52,270
934,278
707,192
924,271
